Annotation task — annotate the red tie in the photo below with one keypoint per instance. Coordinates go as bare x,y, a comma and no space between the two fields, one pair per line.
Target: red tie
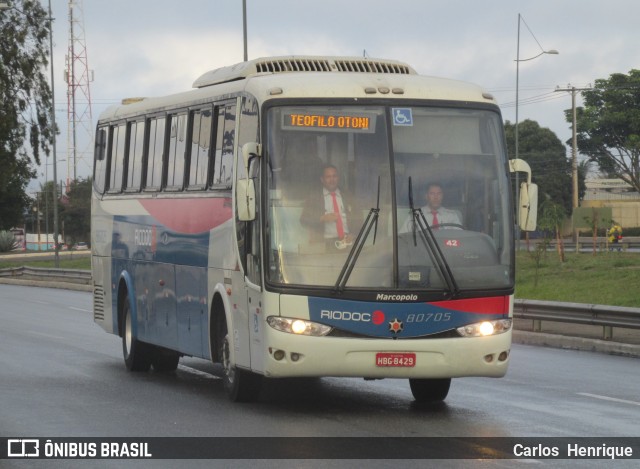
435,222
336,210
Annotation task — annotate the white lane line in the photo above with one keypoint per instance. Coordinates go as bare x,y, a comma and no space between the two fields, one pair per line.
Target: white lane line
199,373
607,398
49,336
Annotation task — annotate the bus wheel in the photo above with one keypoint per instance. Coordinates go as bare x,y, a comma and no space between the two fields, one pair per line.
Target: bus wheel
136,353
430,390
241,385
164,360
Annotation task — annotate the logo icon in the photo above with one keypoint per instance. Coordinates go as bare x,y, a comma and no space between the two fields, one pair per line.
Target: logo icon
395,326
378,317
402,116
23,448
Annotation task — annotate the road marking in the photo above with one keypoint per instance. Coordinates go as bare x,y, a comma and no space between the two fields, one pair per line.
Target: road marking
199,373
50,336
80,309
607,398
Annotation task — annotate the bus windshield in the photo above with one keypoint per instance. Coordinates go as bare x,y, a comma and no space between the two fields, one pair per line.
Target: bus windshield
417,196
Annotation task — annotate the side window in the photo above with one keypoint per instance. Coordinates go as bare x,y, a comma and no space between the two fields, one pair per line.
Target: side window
176,151
134,163
223,171
100,160
201,121
155,153
118,137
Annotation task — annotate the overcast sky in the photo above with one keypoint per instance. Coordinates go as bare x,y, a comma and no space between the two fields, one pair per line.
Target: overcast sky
157,47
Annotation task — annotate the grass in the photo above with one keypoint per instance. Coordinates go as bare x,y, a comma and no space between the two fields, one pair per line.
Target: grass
66,262
608,278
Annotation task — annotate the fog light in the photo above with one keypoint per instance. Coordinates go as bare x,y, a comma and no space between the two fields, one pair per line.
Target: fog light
503,356
295,357
278,354
488,358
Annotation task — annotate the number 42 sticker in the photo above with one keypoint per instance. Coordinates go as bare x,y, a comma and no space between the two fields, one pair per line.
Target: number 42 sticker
452,243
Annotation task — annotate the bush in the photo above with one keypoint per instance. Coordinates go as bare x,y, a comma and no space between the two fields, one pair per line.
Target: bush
7,241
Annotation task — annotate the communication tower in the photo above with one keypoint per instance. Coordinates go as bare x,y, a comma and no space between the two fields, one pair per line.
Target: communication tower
78,76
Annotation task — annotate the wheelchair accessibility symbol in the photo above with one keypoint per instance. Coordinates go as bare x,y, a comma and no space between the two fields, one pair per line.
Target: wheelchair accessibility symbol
402,116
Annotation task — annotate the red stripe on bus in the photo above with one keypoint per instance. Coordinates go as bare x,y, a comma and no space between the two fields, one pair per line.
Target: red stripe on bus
490,305
189,216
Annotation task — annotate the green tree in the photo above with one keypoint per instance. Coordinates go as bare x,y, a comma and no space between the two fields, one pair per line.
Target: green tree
25,126
551,219
608,126
547,156
76,214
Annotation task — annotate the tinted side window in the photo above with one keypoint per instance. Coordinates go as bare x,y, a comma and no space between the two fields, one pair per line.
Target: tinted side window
134,163
118,137
223,173
155,153
100,160
200,148
176,151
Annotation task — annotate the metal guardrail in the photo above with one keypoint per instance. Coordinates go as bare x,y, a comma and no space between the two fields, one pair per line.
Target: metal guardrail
585,246
575,313
578,313
77,276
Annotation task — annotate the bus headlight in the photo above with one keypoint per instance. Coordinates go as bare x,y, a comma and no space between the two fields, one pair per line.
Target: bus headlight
298,326
485,328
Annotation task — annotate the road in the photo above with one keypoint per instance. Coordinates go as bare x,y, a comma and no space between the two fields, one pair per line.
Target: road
61,375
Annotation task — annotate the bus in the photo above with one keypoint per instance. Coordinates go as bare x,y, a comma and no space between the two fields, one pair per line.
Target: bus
199,246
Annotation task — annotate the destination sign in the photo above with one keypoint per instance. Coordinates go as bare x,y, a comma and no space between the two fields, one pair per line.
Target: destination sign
350,122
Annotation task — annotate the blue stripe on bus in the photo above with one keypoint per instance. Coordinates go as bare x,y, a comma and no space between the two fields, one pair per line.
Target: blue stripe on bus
402,320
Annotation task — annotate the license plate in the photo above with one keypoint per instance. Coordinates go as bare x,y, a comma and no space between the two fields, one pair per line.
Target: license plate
396,359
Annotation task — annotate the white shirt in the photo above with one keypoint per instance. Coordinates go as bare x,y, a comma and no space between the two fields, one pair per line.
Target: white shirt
444,216
330,229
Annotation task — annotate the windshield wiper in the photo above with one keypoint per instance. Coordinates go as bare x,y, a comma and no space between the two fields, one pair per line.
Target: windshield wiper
370,222
435,253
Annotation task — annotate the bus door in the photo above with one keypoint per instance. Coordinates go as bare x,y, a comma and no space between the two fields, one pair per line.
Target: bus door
249,242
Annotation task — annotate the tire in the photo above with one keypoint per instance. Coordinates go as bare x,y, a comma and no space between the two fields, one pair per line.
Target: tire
240,385
164,361
136,354
430,390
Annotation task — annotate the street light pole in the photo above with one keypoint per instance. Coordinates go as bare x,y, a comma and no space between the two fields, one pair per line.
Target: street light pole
244,28
53,142
517,140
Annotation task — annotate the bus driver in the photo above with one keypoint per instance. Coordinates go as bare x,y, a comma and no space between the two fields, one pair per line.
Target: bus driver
436,215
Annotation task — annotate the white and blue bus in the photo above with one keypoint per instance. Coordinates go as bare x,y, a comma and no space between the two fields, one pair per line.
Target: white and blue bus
199,246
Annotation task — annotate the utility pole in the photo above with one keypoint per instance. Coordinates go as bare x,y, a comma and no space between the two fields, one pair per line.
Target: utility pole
244,28
574,149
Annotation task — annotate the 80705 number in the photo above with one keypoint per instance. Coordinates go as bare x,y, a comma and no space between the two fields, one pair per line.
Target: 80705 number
429,317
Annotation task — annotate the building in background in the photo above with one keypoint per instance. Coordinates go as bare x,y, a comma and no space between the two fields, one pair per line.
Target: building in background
616,194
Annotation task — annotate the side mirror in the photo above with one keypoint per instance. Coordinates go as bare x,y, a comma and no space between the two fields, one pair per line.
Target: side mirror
528,206
246,199
249,151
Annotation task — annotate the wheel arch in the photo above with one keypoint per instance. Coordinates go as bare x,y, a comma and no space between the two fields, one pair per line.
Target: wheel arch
125,287
219,317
